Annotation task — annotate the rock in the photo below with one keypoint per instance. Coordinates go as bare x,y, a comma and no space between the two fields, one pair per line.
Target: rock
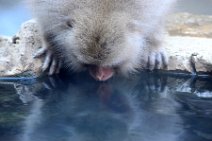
17,52
190,54
185,24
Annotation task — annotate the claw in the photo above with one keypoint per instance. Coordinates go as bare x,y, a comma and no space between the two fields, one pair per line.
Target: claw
59,67
164,60
158,61
53,67
40,52
151,61
47,61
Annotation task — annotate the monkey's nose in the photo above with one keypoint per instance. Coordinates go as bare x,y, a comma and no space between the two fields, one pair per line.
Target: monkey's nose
101,73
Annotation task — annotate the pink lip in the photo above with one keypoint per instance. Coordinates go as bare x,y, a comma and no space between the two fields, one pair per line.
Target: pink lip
101,73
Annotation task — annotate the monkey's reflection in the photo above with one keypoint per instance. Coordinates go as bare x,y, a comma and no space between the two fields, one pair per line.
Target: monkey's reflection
84,110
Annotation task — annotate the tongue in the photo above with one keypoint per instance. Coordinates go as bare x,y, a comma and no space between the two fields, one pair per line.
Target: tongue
101,73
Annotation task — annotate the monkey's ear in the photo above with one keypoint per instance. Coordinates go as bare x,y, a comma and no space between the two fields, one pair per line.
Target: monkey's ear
134,26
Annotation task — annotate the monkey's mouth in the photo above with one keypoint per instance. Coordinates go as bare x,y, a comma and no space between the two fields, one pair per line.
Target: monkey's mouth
101,73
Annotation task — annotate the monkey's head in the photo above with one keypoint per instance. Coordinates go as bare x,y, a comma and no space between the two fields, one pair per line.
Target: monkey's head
103,45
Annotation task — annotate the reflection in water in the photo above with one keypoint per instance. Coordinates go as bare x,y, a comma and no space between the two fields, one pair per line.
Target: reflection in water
150,108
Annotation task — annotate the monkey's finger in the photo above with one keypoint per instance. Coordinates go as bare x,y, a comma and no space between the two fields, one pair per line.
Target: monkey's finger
47,61
59,66
151,61
158,61
53,67
164,60
145,61
40,52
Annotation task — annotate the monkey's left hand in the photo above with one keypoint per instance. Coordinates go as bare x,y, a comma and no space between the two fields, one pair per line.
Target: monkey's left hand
155,59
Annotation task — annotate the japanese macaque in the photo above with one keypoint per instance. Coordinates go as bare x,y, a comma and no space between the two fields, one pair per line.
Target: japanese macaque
105,37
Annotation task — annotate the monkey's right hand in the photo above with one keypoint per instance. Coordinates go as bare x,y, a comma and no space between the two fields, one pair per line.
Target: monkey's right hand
51,64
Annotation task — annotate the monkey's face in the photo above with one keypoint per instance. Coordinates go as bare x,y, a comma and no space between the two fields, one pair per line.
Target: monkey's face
104,48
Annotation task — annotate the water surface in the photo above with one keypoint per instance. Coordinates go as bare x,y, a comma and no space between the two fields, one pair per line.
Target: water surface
148,107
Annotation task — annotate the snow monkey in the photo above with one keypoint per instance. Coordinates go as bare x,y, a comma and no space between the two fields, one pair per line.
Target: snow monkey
105,37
